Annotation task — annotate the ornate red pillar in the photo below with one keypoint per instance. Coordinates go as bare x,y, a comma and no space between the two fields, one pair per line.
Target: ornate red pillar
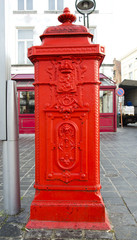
67,156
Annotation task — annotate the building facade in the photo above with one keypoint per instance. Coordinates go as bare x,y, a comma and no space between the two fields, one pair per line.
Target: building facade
129,84
117,71
129,66
29,19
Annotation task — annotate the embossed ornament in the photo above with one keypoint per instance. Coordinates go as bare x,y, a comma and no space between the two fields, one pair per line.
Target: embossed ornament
66,103
66,77
66,146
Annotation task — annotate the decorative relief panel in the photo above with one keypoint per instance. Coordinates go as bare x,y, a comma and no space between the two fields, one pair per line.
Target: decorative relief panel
66,122
66,145
67,103
66,77
67,152
66,73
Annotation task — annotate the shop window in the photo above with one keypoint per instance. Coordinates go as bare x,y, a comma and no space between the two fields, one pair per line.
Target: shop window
25,4
27,102
106,101
25,40
56,5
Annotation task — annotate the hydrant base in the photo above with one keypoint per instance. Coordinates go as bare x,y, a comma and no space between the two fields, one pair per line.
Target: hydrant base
68,214
35,224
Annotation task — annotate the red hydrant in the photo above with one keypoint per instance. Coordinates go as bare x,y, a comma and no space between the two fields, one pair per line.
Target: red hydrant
67,152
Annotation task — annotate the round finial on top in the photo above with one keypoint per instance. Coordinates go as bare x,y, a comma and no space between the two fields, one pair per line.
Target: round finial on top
66,10
66,16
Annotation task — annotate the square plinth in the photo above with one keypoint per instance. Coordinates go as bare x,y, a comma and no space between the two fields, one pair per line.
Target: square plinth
68,214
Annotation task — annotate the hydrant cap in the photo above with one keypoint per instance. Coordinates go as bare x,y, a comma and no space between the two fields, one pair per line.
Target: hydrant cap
65,30
66,16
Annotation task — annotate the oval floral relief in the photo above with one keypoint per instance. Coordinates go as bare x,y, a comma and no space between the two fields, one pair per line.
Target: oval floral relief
66,145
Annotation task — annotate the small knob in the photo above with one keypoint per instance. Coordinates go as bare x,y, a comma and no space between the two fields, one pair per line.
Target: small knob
66,10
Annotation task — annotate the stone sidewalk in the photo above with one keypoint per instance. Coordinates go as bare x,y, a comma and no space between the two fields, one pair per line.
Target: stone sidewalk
119,191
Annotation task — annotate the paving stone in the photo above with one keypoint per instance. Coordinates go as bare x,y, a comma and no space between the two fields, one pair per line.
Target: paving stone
37,238
101,235
21,218
119,209
110,194
108,188
113,201
9,230
68,239
38,234
2,238
2,219
68,234
126,232
135,215
125,194
121,219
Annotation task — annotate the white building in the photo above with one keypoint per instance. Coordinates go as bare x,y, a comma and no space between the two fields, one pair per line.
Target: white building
29,18
129,66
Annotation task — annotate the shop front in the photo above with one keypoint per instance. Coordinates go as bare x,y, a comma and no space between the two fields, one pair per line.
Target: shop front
107,109
26,103
108,112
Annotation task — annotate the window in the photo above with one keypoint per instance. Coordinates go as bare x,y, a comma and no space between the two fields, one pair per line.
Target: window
106,101
56,5
27,102
114,73
25,40
130,75
25,4
93,31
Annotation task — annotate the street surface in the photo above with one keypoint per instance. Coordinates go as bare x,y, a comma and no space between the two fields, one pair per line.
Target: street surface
119,190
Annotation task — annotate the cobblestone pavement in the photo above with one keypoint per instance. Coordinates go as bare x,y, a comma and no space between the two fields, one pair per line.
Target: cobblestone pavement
119,191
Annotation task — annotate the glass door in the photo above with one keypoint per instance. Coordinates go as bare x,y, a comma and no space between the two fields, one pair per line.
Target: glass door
26,107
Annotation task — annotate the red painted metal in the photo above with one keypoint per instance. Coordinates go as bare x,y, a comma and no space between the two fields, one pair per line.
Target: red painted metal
67,153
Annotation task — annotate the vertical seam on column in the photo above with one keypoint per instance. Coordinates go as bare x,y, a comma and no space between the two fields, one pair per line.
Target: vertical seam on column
97,149
37,147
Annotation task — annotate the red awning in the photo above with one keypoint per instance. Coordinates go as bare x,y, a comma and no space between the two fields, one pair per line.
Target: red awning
22,77
30,77
102,76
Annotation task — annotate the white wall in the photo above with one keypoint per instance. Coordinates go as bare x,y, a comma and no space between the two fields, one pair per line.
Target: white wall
128,65
109,23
